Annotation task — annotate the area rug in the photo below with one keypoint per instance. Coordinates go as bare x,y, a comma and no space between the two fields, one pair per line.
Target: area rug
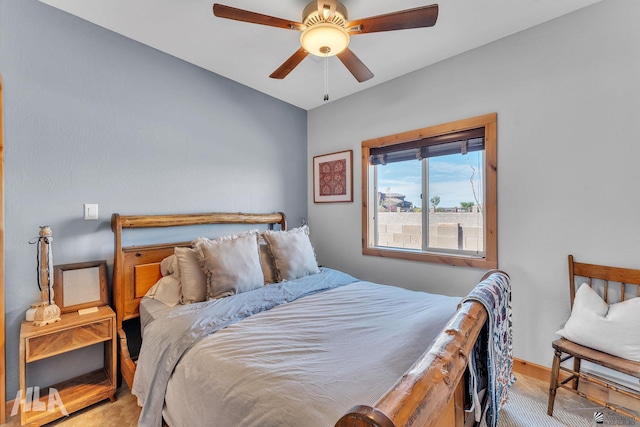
522,411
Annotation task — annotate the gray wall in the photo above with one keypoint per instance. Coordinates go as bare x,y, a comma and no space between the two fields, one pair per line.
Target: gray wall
567,94
93,117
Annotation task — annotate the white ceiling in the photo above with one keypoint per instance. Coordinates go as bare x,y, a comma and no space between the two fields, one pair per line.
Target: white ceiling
248,53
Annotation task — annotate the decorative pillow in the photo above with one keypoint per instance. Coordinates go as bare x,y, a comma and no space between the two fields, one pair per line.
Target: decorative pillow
166,290
611,328
266,262
292,253
232,264
192,278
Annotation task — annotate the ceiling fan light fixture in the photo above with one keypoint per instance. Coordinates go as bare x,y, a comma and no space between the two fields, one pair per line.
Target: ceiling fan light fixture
324,39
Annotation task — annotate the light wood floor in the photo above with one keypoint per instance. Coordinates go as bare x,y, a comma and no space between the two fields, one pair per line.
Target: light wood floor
124,412
539,391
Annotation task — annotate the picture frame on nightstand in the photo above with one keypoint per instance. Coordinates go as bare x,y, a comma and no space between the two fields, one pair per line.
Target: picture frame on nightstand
80,285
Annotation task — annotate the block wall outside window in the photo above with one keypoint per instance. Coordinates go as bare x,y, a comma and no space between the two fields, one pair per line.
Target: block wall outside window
456,231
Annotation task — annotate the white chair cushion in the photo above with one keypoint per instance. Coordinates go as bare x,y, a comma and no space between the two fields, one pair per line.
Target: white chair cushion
613,329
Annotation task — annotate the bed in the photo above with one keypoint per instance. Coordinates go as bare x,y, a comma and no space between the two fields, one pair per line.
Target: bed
321,349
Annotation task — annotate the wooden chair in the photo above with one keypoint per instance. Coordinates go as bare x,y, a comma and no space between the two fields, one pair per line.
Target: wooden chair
614,285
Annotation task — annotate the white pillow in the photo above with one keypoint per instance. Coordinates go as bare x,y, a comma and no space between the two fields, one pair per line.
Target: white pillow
293,255
232,264
613,329
192,279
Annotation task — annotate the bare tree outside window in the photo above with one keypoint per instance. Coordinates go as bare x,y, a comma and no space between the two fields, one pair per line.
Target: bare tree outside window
435,201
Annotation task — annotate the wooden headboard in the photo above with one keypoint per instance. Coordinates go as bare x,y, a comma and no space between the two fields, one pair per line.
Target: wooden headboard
137,268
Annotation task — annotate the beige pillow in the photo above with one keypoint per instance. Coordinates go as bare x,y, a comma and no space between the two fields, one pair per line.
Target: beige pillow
266,262
166,290
192,278
292,253
169,266
232,264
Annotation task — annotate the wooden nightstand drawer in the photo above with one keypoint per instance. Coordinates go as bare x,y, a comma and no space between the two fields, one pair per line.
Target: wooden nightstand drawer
61,341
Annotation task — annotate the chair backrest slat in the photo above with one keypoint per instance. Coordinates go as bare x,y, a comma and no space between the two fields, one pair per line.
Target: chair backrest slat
572,286
603,276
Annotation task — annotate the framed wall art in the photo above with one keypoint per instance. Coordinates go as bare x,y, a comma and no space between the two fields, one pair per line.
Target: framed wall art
80,285
333,177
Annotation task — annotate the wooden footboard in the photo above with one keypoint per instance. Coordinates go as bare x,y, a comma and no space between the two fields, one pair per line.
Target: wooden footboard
431,392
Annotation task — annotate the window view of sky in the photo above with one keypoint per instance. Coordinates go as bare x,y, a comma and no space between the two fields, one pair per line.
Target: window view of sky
449,178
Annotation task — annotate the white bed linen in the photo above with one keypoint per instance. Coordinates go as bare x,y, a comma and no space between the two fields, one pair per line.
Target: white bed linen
167,339
152,309
307,362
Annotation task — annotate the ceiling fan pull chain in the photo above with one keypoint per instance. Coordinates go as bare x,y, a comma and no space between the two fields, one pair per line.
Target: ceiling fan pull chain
326,77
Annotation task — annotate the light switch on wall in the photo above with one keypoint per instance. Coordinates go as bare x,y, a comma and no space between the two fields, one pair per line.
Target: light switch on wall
90,211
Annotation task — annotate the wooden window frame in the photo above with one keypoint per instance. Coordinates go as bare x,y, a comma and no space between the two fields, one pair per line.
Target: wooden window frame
490,259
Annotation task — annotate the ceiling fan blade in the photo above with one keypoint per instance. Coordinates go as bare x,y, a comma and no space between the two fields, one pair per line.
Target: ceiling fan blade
354,65
228,12
289,64
419,17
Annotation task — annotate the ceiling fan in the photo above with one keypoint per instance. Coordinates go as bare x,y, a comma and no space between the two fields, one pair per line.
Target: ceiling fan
326,31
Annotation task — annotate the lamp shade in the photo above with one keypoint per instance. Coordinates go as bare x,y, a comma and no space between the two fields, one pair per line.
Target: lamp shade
324,39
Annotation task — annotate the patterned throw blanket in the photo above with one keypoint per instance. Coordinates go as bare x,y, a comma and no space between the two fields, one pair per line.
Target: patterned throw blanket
494,293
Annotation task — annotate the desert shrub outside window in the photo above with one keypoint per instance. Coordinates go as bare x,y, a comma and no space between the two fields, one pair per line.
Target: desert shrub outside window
431,194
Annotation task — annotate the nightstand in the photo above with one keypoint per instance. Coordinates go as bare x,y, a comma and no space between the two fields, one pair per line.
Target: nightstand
74,331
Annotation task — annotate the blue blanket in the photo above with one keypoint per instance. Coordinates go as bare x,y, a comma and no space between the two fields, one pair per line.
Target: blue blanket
494,293
188,324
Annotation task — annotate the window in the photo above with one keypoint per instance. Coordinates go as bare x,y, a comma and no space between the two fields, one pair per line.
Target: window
431,194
